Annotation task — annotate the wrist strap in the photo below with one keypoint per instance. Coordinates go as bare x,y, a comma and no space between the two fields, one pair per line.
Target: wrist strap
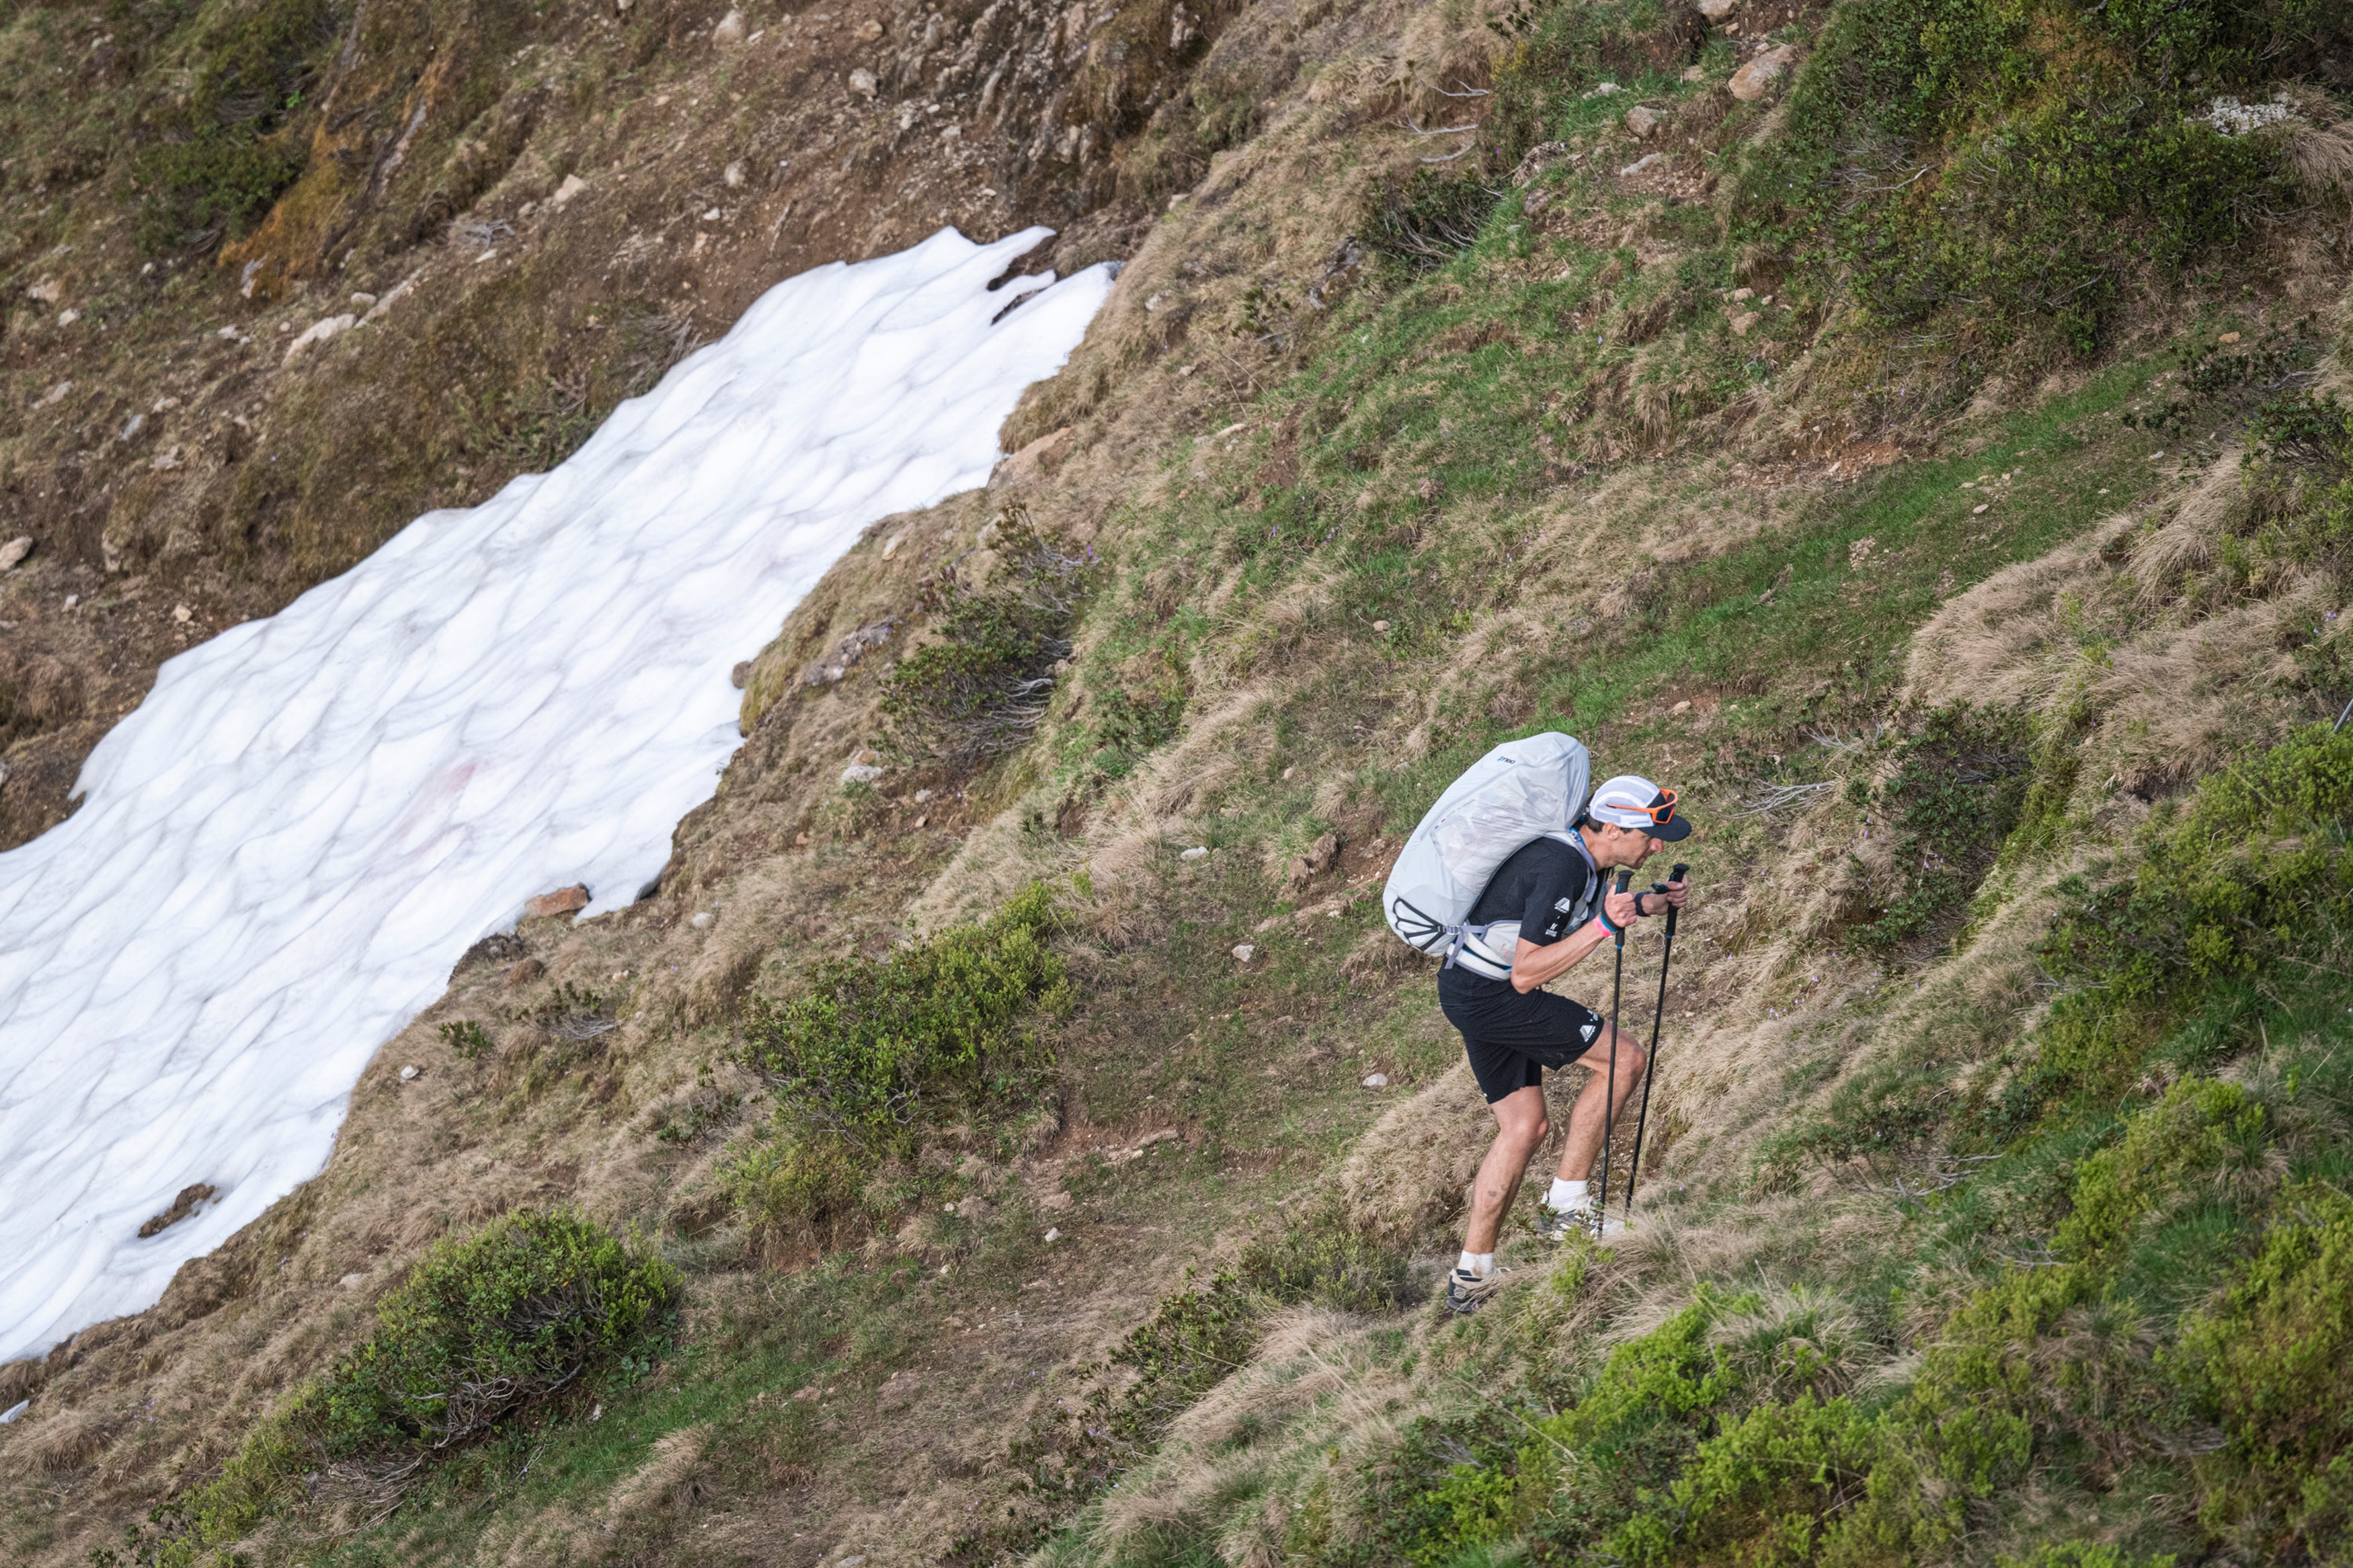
1612,926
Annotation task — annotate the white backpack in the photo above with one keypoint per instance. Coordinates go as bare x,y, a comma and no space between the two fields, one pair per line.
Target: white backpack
1531,788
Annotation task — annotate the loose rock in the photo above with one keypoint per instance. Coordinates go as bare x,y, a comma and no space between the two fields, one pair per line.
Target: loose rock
1641,120
13,553
562,902
1754,79
1377,1080
731,29
1245,950
319,333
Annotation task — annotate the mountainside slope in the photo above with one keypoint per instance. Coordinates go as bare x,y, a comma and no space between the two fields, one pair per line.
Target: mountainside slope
1868,465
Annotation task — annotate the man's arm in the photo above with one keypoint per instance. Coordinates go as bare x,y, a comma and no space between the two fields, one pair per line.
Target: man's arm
1533,966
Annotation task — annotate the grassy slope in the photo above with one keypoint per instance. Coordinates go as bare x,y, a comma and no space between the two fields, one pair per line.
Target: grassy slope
1231,691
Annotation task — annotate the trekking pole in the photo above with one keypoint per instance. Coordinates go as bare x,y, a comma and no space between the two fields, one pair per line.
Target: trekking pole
1609,1094
1651,1070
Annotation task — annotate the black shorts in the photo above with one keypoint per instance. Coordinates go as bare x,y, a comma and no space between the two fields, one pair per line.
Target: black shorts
1512,1035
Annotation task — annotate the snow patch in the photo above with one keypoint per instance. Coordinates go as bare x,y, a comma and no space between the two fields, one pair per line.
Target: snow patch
282,852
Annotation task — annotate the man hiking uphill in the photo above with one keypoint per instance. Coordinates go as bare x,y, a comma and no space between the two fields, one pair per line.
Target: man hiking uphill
1548,906
1506,878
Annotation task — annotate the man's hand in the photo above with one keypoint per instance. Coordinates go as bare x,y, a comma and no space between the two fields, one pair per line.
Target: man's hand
1621,907
1651,899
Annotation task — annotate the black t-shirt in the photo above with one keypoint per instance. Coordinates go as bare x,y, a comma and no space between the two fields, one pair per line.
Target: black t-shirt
1540,886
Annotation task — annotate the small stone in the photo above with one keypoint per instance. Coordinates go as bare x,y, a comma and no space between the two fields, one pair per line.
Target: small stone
733,175
1741,323
182,613
1641,120
523,974
61,391
1860,552
10,1415
1054,1232
1696,73
2228,338
362,299
1380,625
741,676
13,552
1740,295
1717,10
731,29
1197,852
701,920
352,1281
408,1074
131,428
1682,706
1647,161
171,458
868,31
562,902
572,186
1057,1200
890,545
860,773
711,216
923,794
1377,1080
48,291
1979,508
68,318
862,82
1245,950
1603,89
1754,79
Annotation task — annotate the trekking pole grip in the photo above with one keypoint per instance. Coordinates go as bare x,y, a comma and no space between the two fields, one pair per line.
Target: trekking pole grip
1678,874
1625,879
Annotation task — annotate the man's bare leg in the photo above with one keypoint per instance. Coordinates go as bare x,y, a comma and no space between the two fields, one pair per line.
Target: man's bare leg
1587,1119
1520,1128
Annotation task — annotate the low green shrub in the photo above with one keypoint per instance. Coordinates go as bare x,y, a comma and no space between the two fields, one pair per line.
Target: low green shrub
2255,874
867,1053
857,1048
2004,170
486,1331
2272,1363
466,1038
979,688
226,149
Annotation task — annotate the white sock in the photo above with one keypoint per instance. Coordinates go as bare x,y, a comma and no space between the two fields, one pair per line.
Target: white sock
1476,1264
1565,1194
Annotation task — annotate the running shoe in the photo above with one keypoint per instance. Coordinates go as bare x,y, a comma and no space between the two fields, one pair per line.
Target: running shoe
1466,1292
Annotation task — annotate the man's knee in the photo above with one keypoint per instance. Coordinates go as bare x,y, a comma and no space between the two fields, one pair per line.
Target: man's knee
1525,1132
